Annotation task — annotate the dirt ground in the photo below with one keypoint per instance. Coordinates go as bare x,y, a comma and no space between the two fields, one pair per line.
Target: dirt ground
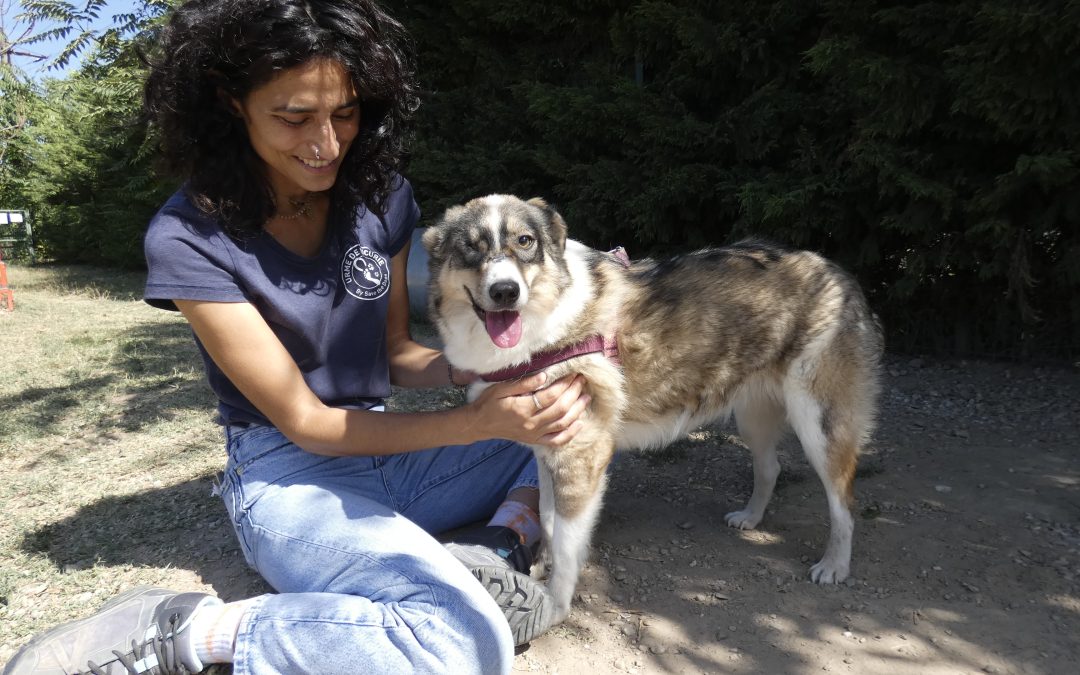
966,557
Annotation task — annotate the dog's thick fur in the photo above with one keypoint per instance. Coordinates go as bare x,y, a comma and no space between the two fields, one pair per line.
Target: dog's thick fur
778,338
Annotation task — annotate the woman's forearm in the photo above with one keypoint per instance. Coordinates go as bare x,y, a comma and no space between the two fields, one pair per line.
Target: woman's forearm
340,432
416,366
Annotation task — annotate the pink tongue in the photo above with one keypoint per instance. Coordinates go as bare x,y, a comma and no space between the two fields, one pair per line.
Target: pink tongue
504,328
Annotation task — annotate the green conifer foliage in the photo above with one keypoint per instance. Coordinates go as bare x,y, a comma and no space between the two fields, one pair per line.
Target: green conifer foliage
930,147
82,162
89,173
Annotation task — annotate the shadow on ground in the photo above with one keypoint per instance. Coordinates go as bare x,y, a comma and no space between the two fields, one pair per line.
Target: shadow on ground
153,374
179,526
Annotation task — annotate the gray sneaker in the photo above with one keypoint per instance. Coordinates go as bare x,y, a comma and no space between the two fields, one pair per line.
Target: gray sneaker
501,563
140,631
525,602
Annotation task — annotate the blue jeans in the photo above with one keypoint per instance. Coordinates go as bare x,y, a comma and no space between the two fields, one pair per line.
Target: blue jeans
362,585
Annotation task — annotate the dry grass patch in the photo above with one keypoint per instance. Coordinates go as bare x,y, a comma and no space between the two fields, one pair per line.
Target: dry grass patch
109,452
107,446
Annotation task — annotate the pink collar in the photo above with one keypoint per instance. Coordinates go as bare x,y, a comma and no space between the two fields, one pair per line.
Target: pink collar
595,344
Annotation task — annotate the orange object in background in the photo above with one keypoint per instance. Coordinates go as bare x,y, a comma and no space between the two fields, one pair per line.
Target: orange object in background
6,296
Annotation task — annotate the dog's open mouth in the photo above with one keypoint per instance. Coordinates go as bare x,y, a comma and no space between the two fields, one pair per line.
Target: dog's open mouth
503,327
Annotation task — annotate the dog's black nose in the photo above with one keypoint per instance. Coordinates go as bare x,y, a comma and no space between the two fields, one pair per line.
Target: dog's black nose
504,293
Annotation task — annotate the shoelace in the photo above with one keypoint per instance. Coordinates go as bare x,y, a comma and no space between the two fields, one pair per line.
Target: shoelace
156,656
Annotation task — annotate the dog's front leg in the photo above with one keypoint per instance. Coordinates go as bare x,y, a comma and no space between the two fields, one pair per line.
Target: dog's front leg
573,534
547,515
576,485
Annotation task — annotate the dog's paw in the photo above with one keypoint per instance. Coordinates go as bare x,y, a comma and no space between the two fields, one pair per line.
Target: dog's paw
828,572
560,614
743,520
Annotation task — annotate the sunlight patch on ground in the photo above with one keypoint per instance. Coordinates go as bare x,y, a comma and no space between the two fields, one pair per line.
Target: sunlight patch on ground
1069,603
759,537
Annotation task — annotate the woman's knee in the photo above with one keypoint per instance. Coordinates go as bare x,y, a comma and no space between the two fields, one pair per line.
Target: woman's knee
475,626
325,632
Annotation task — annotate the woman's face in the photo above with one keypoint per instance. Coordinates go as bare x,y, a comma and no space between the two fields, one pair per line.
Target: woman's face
301,124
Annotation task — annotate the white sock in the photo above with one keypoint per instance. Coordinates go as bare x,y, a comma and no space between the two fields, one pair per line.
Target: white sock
519,518
213,631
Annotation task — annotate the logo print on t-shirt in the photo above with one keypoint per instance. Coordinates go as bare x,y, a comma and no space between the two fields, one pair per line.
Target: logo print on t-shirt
365,272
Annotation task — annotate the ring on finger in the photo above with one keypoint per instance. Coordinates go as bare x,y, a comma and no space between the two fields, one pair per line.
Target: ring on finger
536,402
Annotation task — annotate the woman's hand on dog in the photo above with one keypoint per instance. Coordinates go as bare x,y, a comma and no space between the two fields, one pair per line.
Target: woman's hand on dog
521,411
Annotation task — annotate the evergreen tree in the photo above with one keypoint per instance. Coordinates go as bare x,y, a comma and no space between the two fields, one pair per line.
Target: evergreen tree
82,162
929,147
91,183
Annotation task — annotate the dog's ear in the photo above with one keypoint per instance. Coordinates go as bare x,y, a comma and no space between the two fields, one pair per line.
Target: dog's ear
435,237
555,226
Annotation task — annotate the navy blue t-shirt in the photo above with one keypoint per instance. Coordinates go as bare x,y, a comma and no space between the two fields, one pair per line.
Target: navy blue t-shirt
329,311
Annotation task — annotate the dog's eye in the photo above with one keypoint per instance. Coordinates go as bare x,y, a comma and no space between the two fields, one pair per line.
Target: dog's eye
526,241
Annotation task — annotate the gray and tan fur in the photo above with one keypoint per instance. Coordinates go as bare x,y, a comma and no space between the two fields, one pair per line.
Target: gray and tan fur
778,338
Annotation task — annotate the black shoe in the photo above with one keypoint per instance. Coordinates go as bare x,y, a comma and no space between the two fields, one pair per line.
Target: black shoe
492,545
140,631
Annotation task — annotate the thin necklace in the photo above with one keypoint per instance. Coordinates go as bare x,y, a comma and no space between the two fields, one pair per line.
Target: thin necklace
301,207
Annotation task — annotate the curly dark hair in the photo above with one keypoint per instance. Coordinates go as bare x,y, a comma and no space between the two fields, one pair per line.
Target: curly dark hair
214,47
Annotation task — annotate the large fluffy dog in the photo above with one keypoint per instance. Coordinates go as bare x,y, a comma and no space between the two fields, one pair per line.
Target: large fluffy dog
779,338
